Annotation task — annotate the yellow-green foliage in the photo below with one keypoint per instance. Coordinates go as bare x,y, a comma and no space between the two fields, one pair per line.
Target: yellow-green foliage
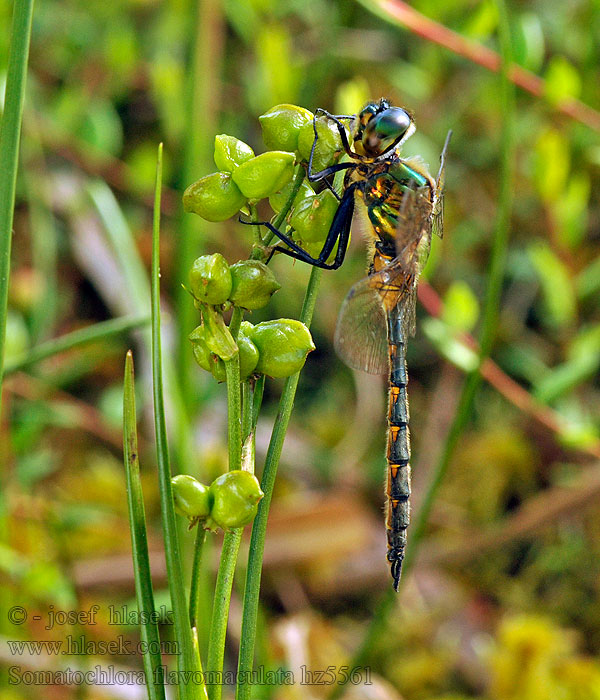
534,659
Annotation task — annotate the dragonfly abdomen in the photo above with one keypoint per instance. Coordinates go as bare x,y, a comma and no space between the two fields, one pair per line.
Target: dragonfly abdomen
398,449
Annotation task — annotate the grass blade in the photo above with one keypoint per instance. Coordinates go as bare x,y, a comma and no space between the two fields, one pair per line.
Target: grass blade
10,133
139,542
188,659
91,334
127,255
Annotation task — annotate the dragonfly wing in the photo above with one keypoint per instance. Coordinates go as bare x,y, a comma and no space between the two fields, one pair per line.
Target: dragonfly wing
438,198
437,224
361,332
413,233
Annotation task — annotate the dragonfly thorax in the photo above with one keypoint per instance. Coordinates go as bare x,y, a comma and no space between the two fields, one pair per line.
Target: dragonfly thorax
382,188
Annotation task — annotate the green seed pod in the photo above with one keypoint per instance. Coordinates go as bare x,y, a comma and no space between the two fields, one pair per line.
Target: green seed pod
248,357
253,284
281,124
283,345
214,197
235,496
231,152
328,145
312,217
192,498
202,354
278,200
210,279
264,175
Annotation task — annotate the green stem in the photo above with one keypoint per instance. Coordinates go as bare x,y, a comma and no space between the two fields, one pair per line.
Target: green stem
488,332
220,615
259,390
234,400
236,320
258,241
139,541
259,528
231,540
296,184
188,659
247,409
91,334
10,134
196,576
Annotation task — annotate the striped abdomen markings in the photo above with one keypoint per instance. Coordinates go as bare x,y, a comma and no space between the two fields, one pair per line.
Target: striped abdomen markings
398,449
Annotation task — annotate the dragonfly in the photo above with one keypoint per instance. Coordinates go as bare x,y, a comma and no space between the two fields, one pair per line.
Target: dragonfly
402,206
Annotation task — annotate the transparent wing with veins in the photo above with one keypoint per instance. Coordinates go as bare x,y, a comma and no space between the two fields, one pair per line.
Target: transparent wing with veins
361,333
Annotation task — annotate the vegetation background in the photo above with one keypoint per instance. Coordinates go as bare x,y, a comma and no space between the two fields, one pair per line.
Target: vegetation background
503,600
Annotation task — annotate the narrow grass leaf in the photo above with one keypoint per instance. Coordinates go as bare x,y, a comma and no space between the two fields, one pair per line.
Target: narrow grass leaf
97,332
139,541
123,243
191,686
10,133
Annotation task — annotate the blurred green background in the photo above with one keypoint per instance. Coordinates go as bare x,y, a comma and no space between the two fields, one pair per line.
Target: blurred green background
503,602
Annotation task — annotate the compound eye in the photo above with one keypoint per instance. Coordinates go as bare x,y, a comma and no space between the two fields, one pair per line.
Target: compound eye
367,113
385,130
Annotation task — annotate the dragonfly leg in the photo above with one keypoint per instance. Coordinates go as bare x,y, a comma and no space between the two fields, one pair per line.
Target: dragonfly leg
322,174
339,233
340,127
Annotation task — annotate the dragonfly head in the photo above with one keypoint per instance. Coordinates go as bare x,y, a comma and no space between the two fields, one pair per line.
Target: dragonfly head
382,127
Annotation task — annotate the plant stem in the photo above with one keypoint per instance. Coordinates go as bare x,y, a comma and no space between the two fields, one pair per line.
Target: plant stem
10,134
259,528
195,582
257,398
234,400
231,540
188,659
236,320
220,615
139,541
247,410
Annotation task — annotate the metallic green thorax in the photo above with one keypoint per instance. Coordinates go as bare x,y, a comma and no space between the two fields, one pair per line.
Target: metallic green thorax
384,185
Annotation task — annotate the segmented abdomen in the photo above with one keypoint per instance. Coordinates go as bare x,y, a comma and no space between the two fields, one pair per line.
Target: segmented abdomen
398,449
